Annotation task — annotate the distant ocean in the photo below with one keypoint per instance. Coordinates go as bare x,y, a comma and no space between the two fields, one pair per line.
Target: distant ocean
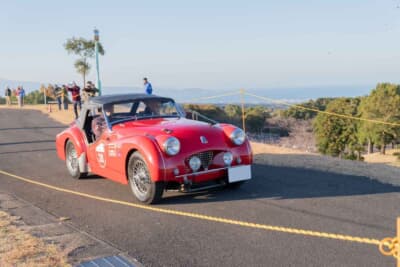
292,95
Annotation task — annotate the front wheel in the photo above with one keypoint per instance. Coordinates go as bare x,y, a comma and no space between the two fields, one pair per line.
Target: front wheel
72,162
144,189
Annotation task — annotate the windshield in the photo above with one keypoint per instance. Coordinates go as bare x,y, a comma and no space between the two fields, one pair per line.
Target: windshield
141,109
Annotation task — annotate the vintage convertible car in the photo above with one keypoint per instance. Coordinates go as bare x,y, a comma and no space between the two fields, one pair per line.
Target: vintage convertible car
146,141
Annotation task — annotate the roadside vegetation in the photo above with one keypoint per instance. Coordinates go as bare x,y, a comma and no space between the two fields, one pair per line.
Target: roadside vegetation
19,248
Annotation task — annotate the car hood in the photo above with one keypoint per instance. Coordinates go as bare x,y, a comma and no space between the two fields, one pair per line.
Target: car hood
187,131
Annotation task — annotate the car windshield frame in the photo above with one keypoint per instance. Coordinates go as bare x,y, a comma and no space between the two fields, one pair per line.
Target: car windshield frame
132,114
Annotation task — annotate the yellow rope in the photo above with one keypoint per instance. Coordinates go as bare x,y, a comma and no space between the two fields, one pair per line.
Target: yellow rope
324,112
212,97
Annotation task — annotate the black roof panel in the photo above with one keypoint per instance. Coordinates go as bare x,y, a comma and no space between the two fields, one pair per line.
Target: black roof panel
108,99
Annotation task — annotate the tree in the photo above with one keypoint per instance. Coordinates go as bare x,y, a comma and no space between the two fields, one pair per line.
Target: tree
337,136
366,134
255,118
298,112
83,68
85,49
383,104
233,110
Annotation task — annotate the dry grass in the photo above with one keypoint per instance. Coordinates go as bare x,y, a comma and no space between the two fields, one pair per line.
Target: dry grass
389,158
19,248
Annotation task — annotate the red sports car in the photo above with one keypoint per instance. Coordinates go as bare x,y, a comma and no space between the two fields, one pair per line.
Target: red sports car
146,141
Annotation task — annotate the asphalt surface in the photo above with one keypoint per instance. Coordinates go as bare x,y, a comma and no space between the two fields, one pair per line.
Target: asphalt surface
281,196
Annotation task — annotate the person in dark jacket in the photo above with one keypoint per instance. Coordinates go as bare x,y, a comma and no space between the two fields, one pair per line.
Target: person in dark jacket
90,90
76,97
7,94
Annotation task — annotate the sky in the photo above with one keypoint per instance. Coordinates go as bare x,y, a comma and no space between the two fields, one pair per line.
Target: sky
206,44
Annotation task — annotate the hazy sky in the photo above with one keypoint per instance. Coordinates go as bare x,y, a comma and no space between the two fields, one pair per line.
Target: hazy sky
208,44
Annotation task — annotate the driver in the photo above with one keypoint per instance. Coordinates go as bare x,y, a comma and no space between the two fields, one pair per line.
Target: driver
153,107
99,123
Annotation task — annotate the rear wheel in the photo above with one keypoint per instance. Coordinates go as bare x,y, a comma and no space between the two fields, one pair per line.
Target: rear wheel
72,161
143,188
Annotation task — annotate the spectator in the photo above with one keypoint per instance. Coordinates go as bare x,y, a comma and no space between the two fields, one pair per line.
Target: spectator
58,94
76,97
22,96
90,90
147,86
20,93
7,94
64,96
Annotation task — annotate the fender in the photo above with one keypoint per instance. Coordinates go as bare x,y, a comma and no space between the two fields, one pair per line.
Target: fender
149,149
74,134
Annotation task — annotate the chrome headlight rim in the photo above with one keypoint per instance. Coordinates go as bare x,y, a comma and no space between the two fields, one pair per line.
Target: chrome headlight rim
227,158
172,146
238,136
195,163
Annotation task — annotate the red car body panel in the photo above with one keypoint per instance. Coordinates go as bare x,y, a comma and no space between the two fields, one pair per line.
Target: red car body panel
109,155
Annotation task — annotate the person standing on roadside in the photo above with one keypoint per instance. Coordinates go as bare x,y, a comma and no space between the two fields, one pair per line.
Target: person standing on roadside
64,96
7,94
90,90
21,96
76,97
58,94
147,86
20,93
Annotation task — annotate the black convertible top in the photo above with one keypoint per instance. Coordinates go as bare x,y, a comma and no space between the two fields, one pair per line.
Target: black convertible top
109,99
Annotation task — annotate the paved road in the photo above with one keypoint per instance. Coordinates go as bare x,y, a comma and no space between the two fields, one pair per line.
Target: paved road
276,196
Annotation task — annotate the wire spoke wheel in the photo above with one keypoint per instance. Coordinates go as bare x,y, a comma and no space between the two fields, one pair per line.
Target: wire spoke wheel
72,159
140,177
143,187
72,162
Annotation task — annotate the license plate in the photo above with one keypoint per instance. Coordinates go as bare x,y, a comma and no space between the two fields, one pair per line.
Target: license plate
240,173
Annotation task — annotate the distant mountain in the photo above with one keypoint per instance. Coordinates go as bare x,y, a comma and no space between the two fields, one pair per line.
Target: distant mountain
292,95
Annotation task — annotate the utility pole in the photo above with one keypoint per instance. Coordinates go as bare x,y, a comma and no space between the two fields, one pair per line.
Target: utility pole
96,48
243,112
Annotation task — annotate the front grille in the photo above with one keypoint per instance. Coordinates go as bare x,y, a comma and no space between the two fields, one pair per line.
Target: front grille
206,159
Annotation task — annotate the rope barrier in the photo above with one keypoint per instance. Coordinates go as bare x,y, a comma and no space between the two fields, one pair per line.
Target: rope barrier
321,111
236,92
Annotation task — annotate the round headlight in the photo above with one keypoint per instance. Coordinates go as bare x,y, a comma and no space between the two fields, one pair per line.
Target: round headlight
238,136
172,146
228,158
195,163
